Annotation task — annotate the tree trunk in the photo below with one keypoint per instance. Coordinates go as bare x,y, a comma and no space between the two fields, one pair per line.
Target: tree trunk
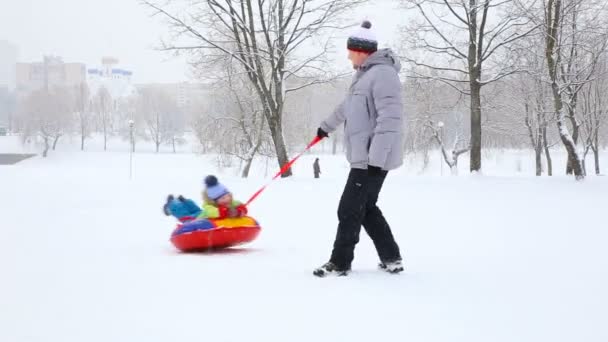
474,66
569,166
554,8
538,149
539,164
585,152
276,130
547,153
577,165
426,158
535,134
47,146
575,135
105,136
82,133
454,164
596,159
173,142
55,142
157,145
82,130
247,167
475,125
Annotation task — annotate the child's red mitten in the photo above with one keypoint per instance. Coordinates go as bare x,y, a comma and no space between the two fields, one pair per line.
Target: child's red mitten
242,210
223,212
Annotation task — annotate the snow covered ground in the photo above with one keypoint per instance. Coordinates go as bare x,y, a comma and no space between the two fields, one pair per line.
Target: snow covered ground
85,256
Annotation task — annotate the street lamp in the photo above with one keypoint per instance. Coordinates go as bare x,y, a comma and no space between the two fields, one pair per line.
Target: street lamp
131,125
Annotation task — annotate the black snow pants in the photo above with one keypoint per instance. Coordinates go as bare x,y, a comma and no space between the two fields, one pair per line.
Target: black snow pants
358,207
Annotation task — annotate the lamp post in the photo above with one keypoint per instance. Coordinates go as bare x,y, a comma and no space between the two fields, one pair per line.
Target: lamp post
440,126
131,125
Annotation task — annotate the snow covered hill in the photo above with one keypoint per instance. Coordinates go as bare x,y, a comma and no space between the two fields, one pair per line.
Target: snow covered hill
85,256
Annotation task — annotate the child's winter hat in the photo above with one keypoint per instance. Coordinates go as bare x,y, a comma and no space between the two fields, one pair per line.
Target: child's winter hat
363,39
215,189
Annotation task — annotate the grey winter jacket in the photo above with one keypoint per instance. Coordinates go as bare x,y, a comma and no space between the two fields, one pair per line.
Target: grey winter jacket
373,114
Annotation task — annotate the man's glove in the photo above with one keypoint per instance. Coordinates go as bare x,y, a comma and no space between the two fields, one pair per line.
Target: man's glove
321,133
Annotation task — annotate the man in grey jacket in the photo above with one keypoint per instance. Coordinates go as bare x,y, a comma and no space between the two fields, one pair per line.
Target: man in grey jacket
372,114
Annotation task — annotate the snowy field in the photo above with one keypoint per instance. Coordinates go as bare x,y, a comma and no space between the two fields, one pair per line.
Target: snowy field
85,256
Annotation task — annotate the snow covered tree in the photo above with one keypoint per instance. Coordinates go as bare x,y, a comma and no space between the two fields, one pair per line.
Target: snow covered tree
82,107
430,102
526,98
466,45
160,115
594,113
103,106
249,121
232,123
46,115
8,103
125,111
274,41
458,145
575,39
175,131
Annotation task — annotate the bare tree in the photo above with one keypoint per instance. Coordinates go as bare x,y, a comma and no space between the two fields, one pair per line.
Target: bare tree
250,122
125,111
236,120
583,39
468,42
304,112
83,110
431,102
103,105
175,128
533,86
48,115
594,113
459,144
528,94
571,60
158,111
7,107
536,124
203,129
273,41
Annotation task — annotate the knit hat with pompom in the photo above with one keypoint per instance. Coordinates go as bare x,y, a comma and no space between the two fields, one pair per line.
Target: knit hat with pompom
214,188
363,39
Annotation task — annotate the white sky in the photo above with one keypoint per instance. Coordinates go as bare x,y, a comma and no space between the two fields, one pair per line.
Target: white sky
86,30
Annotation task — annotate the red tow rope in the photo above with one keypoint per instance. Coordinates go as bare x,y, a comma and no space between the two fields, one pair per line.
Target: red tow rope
284,169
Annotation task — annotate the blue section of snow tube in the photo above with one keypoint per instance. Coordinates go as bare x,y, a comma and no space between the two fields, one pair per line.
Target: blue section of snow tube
193,226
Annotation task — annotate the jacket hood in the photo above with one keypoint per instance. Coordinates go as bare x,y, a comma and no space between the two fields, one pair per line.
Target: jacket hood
382,57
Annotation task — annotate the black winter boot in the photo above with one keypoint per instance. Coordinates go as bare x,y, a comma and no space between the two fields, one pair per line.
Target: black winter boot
392,266
330,268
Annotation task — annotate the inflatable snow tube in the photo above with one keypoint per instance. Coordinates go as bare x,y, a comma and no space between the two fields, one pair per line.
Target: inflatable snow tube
200,235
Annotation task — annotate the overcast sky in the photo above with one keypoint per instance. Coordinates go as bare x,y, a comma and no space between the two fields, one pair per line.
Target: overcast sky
86,30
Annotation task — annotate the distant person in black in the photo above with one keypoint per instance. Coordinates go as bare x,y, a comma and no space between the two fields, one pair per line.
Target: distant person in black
316,168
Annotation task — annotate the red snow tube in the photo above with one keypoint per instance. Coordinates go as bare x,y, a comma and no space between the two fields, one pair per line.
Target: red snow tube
208,234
